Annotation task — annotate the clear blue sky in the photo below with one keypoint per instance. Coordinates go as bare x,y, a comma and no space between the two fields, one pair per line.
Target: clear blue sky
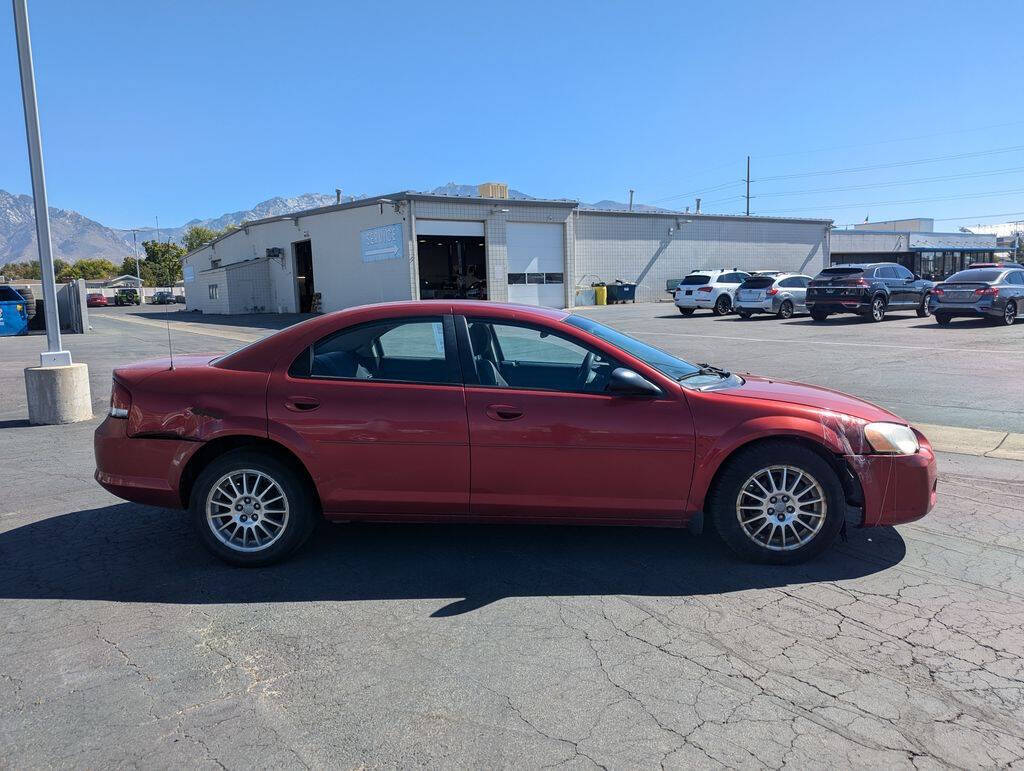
185,109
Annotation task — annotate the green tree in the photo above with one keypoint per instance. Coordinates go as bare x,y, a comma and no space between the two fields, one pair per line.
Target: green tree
196,236
164,260
22,270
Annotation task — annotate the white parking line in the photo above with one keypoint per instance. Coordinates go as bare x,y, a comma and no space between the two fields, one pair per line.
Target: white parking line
790,341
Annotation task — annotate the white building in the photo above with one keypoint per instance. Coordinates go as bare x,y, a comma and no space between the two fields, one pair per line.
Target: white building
418,246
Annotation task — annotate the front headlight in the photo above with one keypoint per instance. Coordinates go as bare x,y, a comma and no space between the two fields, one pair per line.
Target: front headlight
891,438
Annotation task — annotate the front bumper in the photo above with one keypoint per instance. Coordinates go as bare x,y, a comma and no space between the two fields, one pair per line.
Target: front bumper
897,488
140,470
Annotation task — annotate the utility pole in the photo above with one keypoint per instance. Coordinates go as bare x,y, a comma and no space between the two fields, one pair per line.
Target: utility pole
748,185
57,390
135,250
631,199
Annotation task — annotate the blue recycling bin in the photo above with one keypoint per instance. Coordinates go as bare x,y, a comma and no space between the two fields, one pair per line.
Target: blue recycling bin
13,312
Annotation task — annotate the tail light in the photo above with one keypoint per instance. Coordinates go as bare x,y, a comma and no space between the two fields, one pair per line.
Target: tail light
120,401
704,289
856,282
771,292
988,291
938,291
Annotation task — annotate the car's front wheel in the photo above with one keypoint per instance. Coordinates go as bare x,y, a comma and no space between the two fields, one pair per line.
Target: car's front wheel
1009,314
250,508
778,502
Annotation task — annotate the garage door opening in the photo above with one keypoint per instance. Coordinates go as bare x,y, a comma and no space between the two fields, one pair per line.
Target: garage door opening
452,267
303,251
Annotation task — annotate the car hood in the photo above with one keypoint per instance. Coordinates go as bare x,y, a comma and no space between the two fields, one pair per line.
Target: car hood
756,387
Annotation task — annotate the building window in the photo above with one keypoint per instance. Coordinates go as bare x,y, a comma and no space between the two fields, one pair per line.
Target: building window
214,293
214,264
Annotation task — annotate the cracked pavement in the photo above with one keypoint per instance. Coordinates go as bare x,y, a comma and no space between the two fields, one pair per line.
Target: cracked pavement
123,643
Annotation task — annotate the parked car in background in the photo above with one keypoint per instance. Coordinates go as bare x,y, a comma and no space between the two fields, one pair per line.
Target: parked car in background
127,297
766,272
869,289
379,413
162,298
994,265
711,289
996,294
781,293
179,299
96,300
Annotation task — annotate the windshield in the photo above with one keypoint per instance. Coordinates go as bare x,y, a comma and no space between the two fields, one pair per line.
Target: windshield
665,363
983,274
695,280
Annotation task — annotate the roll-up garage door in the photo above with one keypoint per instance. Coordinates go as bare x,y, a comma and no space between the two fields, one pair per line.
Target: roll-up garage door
536,264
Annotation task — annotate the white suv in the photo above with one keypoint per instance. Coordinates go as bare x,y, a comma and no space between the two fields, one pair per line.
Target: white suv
711,289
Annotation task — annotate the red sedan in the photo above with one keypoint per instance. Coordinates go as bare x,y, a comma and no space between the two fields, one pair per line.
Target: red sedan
475,411
96,300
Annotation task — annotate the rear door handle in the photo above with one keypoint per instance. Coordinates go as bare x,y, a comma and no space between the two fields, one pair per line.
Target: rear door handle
301,404
503,412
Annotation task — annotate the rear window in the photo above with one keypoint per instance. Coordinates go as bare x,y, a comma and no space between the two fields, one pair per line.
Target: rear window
976,274
695,279
758,282
840,272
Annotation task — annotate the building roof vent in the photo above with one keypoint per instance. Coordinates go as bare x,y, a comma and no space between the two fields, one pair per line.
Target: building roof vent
493,190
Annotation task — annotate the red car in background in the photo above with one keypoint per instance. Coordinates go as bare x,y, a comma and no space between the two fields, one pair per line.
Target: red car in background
450,411
96,300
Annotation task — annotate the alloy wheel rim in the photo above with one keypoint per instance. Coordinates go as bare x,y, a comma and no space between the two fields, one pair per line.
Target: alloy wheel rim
787,310
247,510
876,309
781,508
1010,313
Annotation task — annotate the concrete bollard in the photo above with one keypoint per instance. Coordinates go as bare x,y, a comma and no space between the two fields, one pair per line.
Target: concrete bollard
58,394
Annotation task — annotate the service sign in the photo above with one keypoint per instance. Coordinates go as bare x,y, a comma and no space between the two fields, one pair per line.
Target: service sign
381,243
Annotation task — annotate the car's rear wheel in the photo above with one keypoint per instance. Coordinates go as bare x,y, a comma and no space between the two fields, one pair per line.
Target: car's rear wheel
743,314
687,311
722,305
942,319
249,508
1009,314
877,312
818,315
778,502
925,310
786,310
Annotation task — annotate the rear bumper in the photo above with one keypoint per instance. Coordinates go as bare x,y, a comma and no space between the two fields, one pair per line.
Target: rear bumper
768,305
140,470
978,310
693,301
897,488
853,305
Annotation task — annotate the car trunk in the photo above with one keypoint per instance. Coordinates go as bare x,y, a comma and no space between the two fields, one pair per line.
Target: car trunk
960,292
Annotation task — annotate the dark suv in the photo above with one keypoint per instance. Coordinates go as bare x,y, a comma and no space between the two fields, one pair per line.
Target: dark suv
868,289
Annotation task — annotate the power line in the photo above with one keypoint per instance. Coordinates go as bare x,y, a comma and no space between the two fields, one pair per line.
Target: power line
945,178
887,203
895,164
695,192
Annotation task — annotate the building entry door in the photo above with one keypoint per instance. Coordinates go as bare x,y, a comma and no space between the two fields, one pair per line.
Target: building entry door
303,251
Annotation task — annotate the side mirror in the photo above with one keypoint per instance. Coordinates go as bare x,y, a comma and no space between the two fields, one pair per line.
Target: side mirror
626,382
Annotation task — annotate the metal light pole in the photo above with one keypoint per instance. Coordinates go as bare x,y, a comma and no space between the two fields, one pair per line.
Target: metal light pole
54,355
135,251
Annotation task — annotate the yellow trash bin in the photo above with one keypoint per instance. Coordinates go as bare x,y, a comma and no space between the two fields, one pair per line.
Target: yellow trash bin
600,295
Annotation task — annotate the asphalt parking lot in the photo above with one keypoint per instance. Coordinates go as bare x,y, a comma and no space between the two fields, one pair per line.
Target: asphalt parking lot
123,643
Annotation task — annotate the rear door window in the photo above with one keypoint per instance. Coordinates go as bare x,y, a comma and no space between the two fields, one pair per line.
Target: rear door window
792,281
1017,277
886,271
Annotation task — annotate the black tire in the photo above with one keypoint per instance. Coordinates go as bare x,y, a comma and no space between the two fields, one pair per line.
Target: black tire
723,305
741,467
818,315
301,509
1009,314
943,319
785,310
744,314
877,311
687,311
924,310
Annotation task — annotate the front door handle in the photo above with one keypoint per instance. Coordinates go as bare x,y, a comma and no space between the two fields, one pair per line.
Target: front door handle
301,404
503,412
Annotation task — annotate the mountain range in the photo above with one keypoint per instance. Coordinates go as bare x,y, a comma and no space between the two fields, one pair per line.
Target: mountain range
75,236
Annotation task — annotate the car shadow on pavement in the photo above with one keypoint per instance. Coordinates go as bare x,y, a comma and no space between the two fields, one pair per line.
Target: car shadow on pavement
131,553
